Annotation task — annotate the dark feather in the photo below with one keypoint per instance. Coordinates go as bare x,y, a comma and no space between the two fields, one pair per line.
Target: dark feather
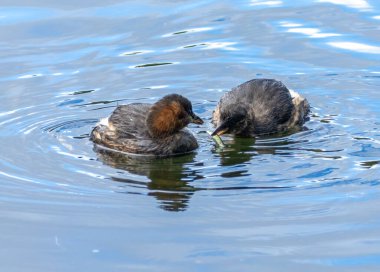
128,131
268,105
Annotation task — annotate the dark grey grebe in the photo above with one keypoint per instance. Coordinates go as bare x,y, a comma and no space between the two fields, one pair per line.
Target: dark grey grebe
258,107
148,129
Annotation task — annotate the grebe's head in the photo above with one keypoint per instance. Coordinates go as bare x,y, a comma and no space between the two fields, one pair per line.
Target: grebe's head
169,115
233,119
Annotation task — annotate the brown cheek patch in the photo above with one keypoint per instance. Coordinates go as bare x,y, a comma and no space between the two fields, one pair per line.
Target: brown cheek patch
176,108
164,121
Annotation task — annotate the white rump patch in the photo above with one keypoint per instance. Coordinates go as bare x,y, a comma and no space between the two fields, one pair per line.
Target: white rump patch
104,122
294,94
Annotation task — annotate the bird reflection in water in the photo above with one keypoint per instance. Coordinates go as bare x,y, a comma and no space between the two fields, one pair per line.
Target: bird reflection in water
167,176
237,151
241,150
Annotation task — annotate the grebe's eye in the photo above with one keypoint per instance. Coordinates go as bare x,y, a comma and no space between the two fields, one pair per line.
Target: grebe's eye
181,115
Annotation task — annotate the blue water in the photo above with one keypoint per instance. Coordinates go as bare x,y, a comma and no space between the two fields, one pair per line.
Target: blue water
306,201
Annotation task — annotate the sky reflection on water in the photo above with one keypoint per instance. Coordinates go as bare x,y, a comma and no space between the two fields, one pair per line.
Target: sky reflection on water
305,201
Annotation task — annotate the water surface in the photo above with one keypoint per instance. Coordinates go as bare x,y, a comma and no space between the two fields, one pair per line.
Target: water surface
298,202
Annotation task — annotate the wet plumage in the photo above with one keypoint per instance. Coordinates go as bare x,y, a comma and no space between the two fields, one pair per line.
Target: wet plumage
149,129
258,107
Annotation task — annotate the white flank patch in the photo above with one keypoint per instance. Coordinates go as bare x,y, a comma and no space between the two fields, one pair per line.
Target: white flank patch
104,122
294,94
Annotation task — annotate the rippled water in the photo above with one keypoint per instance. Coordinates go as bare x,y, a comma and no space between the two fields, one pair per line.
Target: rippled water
300,202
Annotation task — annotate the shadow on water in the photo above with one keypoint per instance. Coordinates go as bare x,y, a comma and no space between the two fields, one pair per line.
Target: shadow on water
170,178
167,176
242,150
238,151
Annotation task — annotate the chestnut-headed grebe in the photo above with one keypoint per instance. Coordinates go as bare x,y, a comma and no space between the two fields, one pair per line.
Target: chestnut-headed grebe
150,129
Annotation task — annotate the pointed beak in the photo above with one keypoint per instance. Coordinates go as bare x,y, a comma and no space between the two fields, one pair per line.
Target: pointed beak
196,119
220,130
